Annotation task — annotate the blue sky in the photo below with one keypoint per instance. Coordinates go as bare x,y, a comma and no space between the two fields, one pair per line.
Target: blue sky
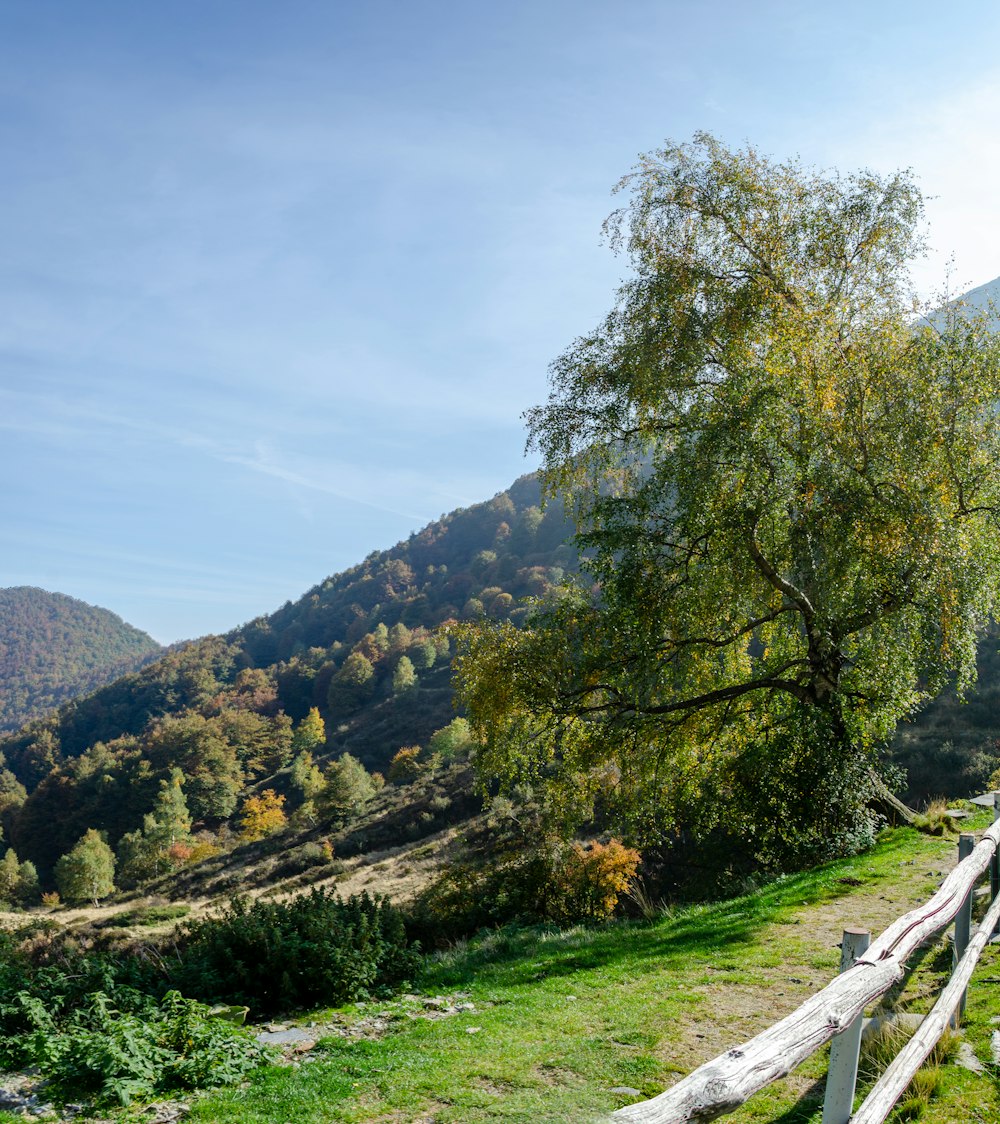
279,280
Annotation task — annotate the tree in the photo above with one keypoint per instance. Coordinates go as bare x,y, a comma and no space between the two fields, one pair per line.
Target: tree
262,815
423,654
452,741
786,488
349,787
404,678
352,684
87,873
310,733
153,848
307,776
10,868
28,889
406,765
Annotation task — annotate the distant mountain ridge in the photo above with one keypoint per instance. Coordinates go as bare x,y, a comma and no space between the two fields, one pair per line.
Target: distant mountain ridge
54,648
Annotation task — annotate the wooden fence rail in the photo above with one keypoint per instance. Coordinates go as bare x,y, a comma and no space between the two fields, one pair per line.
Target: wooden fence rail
727,1081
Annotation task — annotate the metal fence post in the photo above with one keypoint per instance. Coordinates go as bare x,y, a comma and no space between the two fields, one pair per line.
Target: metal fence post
842,1077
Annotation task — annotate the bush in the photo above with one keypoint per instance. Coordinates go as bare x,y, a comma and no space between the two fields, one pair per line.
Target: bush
114,1056
302,858
589,880
280,956
547,881
144,915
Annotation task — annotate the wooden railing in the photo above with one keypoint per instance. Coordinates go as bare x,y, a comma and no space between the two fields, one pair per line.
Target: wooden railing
724,1083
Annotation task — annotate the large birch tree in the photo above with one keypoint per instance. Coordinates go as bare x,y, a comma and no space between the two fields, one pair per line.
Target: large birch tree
786,484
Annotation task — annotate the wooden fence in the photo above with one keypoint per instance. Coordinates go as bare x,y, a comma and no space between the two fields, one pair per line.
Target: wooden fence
837,1012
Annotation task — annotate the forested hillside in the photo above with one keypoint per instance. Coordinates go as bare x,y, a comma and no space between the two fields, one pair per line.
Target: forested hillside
368,648
54,647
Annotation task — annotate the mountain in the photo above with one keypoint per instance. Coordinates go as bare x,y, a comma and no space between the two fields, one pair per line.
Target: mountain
53,647
369,648
983,297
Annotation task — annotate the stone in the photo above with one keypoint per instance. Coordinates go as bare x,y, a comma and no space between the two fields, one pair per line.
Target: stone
966,1058
625,1091
984,801
995,1046
237,1015
290,1037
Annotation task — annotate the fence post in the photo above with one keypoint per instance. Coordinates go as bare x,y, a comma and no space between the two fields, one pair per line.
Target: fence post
842,1077
994,862
963,919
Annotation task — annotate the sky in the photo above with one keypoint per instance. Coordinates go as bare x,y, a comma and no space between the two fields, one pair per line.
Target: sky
278,281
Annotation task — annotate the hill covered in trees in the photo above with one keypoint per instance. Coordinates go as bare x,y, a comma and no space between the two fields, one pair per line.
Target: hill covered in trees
357,670
368,650
54,647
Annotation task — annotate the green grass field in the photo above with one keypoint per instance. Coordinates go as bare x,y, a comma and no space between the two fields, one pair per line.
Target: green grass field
562,1018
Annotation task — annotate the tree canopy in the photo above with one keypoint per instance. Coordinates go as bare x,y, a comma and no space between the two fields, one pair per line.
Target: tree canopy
87,872
786,486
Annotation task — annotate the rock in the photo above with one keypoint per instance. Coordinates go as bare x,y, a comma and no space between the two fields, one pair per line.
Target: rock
465,1006
293,1036
437,1003
237,1015
165,1112
995,1045
966,1058
473,1029
625,1091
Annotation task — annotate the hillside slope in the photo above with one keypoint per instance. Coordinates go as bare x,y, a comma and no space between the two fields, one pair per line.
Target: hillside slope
369,648
54,647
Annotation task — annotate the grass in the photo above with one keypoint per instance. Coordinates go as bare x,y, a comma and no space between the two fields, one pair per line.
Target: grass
560,1018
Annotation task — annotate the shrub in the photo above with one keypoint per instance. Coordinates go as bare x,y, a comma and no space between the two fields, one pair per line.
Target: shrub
406,766
144,915
114,1056
545,881
590,879
278,956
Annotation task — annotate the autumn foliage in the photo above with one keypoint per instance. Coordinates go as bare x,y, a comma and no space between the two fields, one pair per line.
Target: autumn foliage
262,815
